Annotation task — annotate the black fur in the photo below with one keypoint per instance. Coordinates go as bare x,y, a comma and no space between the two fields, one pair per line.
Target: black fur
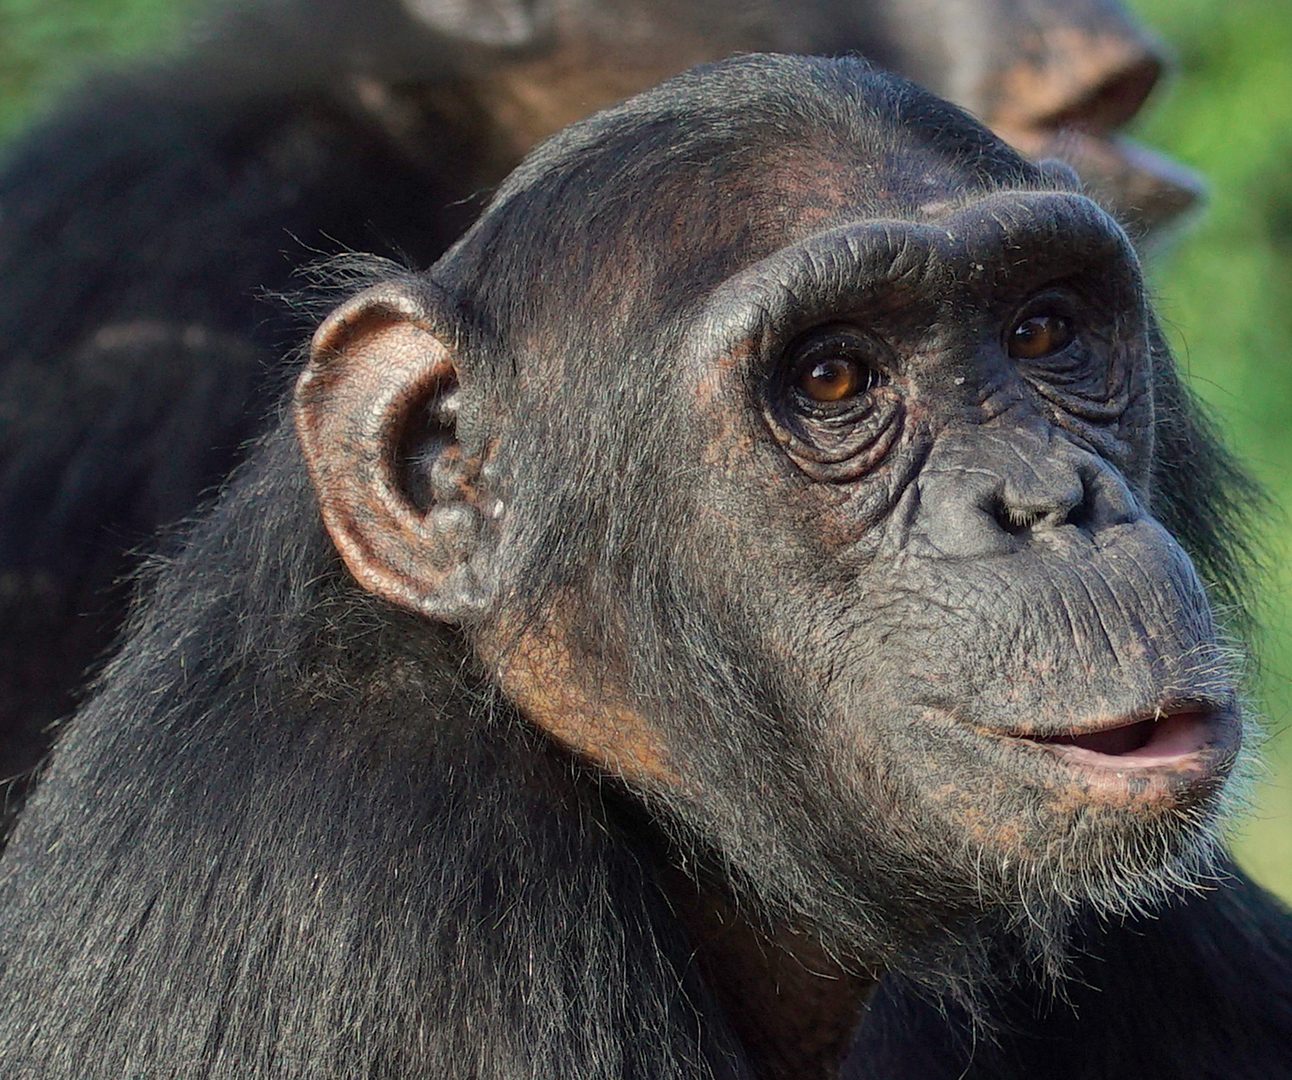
1202,989
444,897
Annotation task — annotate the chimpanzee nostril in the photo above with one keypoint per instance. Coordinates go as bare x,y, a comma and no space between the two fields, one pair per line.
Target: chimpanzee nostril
1018,519
1038,498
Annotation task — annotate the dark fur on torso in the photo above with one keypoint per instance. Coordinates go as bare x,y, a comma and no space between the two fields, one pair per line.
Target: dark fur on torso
238,923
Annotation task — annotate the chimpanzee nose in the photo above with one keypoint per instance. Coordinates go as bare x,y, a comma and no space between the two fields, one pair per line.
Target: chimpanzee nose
985,492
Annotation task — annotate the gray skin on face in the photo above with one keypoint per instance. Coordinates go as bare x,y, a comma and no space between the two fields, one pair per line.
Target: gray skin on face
936,616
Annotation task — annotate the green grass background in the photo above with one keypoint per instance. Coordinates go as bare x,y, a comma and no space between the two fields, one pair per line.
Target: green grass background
1224,286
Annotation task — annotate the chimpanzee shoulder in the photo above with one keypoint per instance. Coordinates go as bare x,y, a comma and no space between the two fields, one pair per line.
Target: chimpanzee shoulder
253,183
1201,987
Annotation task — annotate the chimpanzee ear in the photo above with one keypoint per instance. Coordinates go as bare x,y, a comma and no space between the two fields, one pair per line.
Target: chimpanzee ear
376,412
501,24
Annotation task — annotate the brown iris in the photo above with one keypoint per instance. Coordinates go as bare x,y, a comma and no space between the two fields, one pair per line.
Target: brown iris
833,379
1037,336
832,366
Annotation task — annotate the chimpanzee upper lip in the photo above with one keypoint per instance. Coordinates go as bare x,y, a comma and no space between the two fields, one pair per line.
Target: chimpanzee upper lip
1161,735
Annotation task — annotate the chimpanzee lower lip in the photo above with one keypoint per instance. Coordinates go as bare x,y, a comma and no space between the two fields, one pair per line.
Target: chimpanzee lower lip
1158,759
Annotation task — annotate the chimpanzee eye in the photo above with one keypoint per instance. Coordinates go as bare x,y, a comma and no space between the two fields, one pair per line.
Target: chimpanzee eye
1037,336
833,366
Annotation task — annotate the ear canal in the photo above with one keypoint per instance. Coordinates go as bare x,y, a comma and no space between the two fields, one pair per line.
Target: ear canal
375,365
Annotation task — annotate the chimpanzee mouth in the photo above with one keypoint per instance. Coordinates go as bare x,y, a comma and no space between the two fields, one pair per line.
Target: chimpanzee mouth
1170,755
1162,737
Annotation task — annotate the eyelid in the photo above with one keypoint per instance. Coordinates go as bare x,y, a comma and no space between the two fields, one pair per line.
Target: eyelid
830,339
1069,297
871,350
821,337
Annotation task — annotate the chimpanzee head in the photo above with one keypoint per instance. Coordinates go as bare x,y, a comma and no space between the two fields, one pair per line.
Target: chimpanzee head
792,450
1053,77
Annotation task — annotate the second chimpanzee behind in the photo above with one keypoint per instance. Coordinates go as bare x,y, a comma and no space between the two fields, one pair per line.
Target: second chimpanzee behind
740,571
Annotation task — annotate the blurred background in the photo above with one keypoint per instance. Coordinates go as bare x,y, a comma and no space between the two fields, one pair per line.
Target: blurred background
1223,283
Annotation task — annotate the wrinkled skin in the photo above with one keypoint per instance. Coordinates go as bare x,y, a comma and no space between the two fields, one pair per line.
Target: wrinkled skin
983,523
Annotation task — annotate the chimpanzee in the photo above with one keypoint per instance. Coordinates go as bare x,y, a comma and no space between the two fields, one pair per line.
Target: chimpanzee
739,573
141,227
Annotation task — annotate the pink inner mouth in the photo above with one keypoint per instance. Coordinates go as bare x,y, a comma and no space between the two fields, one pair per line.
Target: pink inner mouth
1145,743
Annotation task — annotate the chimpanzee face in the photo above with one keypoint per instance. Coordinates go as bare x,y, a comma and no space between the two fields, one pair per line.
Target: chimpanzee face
923,500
